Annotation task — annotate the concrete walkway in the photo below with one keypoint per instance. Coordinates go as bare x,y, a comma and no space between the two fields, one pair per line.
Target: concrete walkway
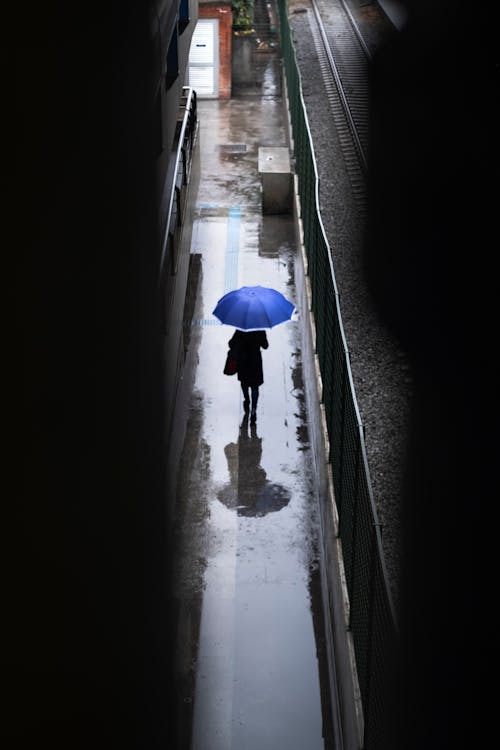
250,647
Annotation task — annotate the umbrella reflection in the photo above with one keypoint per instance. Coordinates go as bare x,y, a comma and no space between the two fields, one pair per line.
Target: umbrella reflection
249,491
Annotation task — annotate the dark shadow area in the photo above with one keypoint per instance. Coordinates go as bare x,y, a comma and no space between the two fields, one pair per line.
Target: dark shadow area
86,659
429,260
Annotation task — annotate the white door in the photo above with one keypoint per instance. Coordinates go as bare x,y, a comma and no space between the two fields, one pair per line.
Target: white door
204,58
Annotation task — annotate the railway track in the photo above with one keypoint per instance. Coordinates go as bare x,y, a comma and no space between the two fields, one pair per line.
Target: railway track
343,57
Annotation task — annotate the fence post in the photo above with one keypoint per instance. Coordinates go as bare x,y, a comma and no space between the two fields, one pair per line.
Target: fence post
350,583
339,493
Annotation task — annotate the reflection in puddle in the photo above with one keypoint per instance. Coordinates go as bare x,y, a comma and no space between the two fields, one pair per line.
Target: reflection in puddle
249,491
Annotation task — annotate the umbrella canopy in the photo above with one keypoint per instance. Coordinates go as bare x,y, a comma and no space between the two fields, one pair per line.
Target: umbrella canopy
252,308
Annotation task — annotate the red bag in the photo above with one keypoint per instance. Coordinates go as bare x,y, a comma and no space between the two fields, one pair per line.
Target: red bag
231,366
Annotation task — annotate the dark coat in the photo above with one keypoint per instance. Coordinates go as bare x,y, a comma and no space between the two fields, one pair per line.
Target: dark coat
247,345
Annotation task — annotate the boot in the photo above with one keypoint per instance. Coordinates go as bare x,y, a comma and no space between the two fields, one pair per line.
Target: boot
255,398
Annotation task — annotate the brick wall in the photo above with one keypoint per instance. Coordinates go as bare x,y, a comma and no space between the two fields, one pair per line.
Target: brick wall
222,11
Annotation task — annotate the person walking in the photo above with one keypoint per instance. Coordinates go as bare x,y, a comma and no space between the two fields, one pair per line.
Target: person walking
247,345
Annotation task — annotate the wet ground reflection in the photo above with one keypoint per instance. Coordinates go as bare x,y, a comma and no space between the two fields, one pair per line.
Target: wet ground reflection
250,649
249,491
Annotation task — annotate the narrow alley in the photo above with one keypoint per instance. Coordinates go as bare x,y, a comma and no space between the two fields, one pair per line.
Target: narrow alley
250,647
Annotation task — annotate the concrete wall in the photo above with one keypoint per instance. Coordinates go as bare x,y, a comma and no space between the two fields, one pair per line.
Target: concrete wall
163,25
173,349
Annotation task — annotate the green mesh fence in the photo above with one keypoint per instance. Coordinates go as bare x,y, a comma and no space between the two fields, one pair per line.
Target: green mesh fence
372,618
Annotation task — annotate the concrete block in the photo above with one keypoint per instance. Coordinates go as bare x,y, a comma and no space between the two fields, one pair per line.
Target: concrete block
276,179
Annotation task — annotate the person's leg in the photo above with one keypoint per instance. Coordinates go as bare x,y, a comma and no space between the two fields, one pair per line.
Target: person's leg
255,398
246,399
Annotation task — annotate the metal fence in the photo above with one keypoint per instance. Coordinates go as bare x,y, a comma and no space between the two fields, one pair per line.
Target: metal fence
372,619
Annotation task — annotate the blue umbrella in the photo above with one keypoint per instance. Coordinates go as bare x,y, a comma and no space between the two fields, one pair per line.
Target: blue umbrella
253,308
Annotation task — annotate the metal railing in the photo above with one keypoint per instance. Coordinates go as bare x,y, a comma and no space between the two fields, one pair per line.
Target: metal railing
371,613
177,194
185,145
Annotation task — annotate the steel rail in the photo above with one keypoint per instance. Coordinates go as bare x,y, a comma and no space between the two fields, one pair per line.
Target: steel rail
356,30
338,79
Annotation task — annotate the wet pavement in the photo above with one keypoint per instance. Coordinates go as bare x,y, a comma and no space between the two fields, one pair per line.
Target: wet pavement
250,644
